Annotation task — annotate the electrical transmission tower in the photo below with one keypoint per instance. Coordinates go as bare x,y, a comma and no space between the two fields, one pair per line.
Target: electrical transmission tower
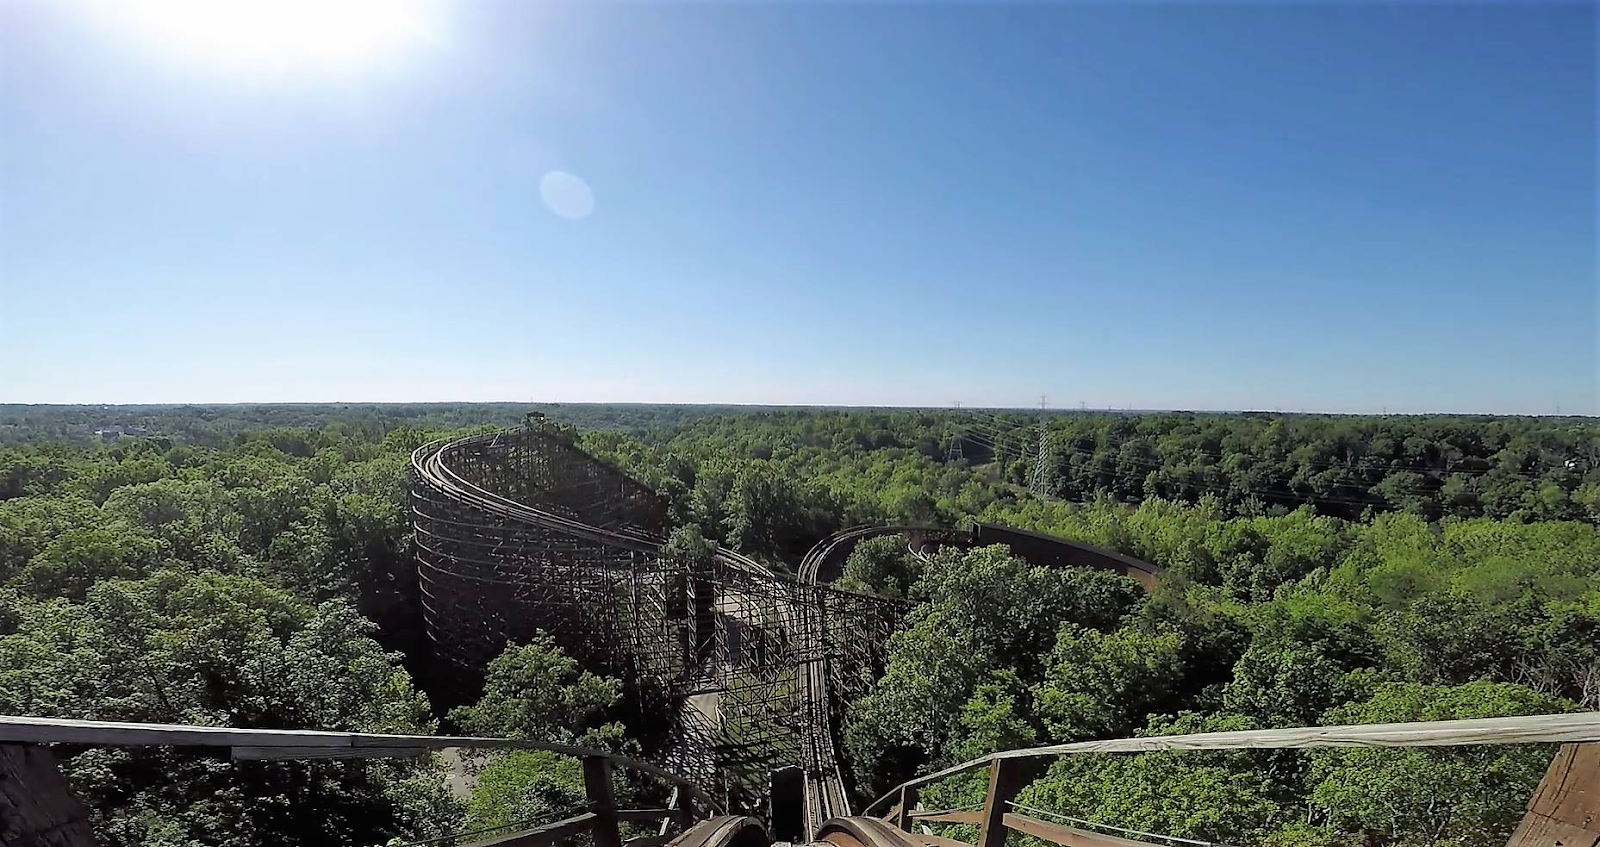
956,436
1041,468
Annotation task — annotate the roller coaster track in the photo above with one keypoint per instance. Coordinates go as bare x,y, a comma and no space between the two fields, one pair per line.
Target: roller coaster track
826,794
479,529
428,464
522,530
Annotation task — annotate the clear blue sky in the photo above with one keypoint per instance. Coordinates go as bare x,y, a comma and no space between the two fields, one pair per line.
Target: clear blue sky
1344,208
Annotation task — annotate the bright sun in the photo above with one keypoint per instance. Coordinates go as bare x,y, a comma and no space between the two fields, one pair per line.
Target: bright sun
276,34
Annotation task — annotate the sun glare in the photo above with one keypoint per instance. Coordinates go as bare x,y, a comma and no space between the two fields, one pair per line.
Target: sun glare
275,34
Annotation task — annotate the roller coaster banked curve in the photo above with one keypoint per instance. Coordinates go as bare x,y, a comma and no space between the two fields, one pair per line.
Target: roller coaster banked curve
521,530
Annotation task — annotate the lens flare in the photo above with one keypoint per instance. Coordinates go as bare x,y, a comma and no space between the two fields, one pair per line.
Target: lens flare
567,195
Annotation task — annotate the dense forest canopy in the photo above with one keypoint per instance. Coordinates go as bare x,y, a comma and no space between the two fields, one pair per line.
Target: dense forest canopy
250,566
1434,466
218,425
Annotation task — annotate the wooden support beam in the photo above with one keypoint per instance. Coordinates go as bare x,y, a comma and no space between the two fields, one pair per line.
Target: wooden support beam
949,816
602,803
1565,809
37,807
1005,780
1056,833
908,803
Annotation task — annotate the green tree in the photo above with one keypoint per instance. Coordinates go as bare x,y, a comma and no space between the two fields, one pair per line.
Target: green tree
223,650
1230,797
536,691
1104,685
525,788
1466,795
882,566
982,612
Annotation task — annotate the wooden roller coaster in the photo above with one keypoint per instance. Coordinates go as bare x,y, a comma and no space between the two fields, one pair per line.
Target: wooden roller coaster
522,531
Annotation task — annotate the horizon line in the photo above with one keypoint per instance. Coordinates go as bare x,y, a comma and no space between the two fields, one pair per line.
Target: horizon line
818,406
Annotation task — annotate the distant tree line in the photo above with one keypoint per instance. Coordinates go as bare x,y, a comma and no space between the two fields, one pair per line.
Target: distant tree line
1524,469
220,425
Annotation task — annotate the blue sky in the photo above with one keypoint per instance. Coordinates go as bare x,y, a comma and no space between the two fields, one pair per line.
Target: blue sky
1343,208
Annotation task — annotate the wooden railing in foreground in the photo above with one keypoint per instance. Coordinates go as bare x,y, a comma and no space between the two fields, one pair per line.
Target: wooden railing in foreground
1565,810
38,810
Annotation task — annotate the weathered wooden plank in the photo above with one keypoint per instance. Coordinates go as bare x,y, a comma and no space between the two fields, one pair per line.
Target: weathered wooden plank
907,805
602,802
1565,808
974,816
541,835
37,807
33,730
1523,729
1065,835
1005,780
287,753
257,743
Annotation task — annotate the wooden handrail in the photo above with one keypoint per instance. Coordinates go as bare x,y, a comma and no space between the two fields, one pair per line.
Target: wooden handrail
1522,729
295,743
